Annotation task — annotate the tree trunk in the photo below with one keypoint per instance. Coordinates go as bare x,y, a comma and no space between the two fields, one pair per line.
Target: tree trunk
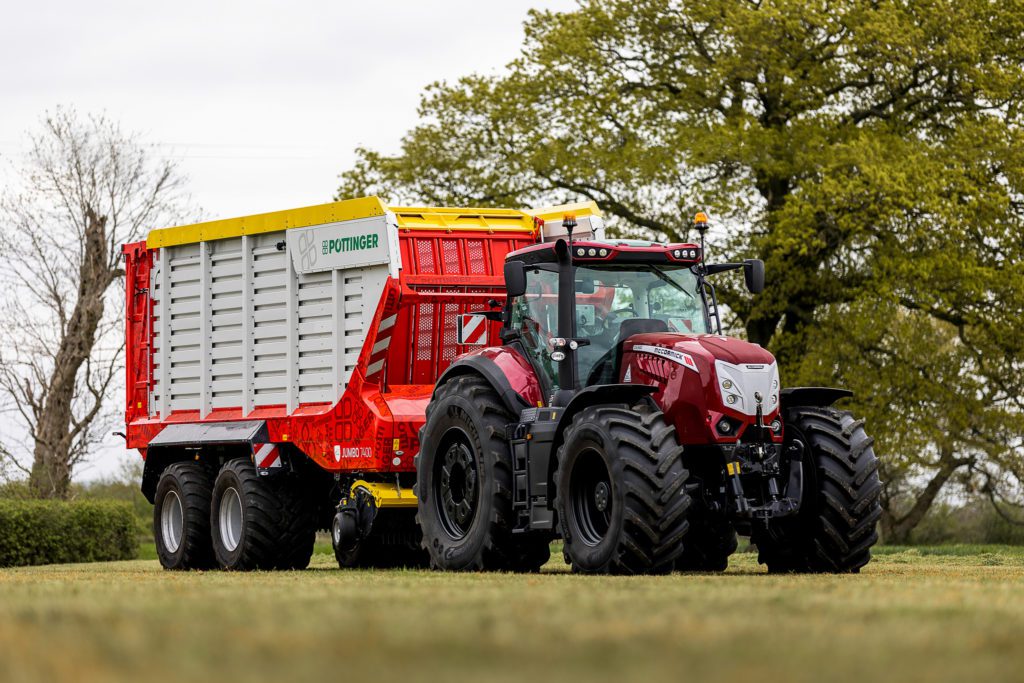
897,529
56,430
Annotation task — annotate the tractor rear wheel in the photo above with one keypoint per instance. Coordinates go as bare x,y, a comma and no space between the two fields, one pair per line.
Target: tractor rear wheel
181,517
464,483
835,528
622,501
260,522
708,545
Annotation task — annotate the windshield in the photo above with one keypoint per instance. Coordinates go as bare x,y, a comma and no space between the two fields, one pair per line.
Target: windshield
653,298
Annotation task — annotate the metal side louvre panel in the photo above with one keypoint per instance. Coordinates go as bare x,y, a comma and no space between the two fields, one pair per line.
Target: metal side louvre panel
267,320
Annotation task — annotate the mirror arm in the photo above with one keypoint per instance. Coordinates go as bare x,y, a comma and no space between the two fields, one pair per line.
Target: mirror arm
714,268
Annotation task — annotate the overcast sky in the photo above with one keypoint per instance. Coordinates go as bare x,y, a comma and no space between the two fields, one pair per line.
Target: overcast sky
263,102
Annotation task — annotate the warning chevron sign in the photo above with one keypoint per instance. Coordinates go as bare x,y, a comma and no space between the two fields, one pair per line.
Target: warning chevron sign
472,329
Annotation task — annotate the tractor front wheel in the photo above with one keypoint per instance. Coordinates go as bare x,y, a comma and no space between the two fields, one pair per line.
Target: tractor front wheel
622,502
835,528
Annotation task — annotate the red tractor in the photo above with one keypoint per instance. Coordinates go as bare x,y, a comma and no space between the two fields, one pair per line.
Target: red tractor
616,416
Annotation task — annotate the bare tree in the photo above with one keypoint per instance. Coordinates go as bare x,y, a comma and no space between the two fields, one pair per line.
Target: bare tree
84,188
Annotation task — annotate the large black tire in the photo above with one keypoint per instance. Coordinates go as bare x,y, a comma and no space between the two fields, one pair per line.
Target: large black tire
708,545
835,528
272,527
464,472
181,517
622,501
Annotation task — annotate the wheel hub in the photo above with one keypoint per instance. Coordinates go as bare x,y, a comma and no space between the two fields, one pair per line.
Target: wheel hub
457,488
601,496
590,498
172,521
230,513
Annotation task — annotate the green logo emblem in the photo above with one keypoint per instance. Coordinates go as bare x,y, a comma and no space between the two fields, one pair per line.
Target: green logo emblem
357,243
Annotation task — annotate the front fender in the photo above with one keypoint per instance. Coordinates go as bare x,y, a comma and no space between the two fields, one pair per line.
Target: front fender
602,393
598,394
820,397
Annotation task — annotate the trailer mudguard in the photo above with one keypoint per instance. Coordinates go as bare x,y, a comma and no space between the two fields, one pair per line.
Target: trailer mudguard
186,440
821,397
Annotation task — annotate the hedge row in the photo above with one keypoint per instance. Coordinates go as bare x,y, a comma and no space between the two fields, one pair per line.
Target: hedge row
54,532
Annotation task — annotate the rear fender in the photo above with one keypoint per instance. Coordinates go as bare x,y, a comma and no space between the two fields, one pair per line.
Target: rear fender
212,443
506,371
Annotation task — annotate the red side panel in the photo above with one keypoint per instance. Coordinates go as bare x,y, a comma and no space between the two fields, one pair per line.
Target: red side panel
138,262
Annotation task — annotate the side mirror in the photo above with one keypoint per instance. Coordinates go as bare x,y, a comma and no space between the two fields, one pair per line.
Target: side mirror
515,278
753,273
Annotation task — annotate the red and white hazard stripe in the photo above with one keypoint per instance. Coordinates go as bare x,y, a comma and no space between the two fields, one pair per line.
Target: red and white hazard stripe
266,455
472,329
380,349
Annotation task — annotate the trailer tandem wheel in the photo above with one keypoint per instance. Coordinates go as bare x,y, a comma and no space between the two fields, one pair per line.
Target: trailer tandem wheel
260,522
181,517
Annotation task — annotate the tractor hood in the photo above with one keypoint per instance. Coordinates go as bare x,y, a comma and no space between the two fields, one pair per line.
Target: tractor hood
709,347
702,378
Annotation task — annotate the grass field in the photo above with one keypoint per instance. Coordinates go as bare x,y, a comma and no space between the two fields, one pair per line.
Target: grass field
922,614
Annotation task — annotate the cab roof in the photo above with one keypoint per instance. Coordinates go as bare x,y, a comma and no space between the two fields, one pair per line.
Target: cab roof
611,251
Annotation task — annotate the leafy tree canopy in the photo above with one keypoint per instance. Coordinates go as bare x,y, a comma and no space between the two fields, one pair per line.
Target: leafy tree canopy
870,152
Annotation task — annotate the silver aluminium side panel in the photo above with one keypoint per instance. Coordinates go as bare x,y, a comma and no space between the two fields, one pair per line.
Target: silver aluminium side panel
254,321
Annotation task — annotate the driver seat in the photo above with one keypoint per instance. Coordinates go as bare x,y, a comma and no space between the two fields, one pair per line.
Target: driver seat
607,370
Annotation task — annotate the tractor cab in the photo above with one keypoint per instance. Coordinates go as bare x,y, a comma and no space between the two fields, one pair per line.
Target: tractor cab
572,305
619,289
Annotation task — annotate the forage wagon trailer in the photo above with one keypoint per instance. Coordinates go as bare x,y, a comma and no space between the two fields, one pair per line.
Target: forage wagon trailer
279,367
342,367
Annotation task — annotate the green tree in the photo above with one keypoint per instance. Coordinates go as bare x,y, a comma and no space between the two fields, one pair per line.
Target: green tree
870,152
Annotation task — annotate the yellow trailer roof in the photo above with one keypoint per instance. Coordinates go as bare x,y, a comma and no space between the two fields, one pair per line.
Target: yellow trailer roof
408,217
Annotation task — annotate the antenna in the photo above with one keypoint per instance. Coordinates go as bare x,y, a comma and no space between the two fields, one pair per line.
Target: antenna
700,221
